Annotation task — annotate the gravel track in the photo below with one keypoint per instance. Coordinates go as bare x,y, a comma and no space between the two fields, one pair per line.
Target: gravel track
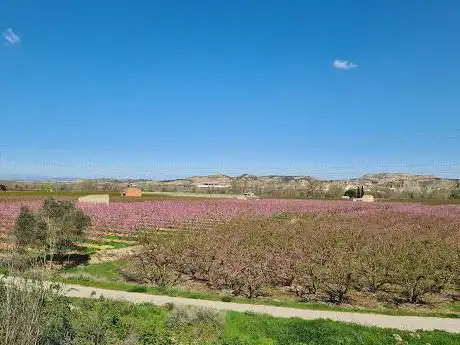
408,323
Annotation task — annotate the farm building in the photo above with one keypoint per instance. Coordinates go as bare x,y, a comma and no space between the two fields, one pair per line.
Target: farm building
365,198
132,192
95,199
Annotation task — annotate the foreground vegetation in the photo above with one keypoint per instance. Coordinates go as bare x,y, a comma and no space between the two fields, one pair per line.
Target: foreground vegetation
42,315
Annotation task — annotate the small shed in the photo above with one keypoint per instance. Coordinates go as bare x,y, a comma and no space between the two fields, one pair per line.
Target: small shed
365,198
95,199
132,192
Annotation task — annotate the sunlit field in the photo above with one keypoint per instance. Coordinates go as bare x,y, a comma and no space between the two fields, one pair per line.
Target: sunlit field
364,255
124,217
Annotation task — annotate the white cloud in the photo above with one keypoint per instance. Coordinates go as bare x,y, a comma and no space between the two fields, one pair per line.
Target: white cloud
344,64
11,37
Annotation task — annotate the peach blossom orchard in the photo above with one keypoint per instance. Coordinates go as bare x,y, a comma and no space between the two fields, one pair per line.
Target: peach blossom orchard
125,217
317,250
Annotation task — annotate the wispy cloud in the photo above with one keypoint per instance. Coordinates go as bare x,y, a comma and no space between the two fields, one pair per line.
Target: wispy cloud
344,64
11,37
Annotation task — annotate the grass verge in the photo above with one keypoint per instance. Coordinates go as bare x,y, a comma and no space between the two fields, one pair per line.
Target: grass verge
106,276
204,327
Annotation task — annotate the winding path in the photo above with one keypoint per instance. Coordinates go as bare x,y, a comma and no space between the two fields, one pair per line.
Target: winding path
408,323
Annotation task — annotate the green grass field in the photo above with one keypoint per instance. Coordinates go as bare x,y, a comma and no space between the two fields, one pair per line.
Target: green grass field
73,196
232,328
152,196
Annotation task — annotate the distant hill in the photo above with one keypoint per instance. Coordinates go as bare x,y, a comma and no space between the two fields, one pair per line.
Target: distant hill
383,185
391,180
380,184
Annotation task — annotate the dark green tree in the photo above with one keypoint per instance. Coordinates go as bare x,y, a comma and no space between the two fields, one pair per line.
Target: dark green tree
362,191
455,194
52,229
351,193
28,232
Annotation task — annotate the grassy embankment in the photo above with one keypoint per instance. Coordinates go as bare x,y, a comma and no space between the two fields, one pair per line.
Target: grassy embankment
107,276
155,325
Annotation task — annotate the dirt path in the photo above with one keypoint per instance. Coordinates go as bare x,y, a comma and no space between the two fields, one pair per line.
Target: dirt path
113,254
409,323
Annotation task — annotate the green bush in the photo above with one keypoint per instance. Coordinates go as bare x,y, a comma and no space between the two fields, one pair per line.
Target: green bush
139,289
103,322
194,325
455,194
351,193
189,315
227,299
57,226
29,311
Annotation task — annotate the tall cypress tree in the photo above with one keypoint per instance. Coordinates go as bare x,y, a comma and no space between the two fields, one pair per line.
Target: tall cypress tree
358,193
362,191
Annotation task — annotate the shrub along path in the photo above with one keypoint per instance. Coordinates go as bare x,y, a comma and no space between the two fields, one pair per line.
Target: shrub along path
408,323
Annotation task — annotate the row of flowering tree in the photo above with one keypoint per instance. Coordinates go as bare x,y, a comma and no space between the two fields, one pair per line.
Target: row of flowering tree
315,256
124,217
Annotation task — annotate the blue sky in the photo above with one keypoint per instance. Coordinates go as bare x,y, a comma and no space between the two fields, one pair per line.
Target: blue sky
172,88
